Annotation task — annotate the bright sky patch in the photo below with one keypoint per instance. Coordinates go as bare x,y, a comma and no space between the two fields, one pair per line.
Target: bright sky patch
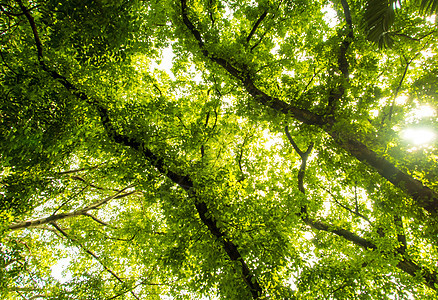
419,136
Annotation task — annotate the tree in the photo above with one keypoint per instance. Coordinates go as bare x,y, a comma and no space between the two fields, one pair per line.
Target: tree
268,164
380,15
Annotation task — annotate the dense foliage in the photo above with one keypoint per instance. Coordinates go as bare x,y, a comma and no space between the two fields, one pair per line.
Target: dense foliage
267,161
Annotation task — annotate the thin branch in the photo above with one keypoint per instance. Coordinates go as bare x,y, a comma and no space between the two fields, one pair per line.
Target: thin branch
6,64
303,210
215,121
210,131
124,292
302,154
37,296
21,295
47,229
256,25
34,30
179,118
342,286
206,119
62,216
427,34
210,2
401,237
247,136
310,82
159,90
117,195
14,26
25,289
79,178
396,33
92,254
81,169
6,264
96,219
202,151
399,86
406,36
259,41
355,197
125,240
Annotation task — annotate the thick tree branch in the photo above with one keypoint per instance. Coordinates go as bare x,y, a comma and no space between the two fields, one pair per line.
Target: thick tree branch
405,264
34,30
337,93
421,194
186,183
342,58
183,181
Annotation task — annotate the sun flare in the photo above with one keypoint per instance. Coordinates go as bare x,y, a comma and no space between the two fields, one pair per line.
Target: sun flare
419,136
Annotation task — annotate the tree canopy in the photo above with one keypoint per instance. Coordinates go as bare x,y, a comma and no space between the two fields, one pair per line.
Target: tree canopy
204,149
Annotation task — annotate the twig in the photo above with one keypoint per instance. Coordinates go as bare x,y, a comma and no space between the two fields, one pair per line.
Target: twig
69,199
179,118
79,178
